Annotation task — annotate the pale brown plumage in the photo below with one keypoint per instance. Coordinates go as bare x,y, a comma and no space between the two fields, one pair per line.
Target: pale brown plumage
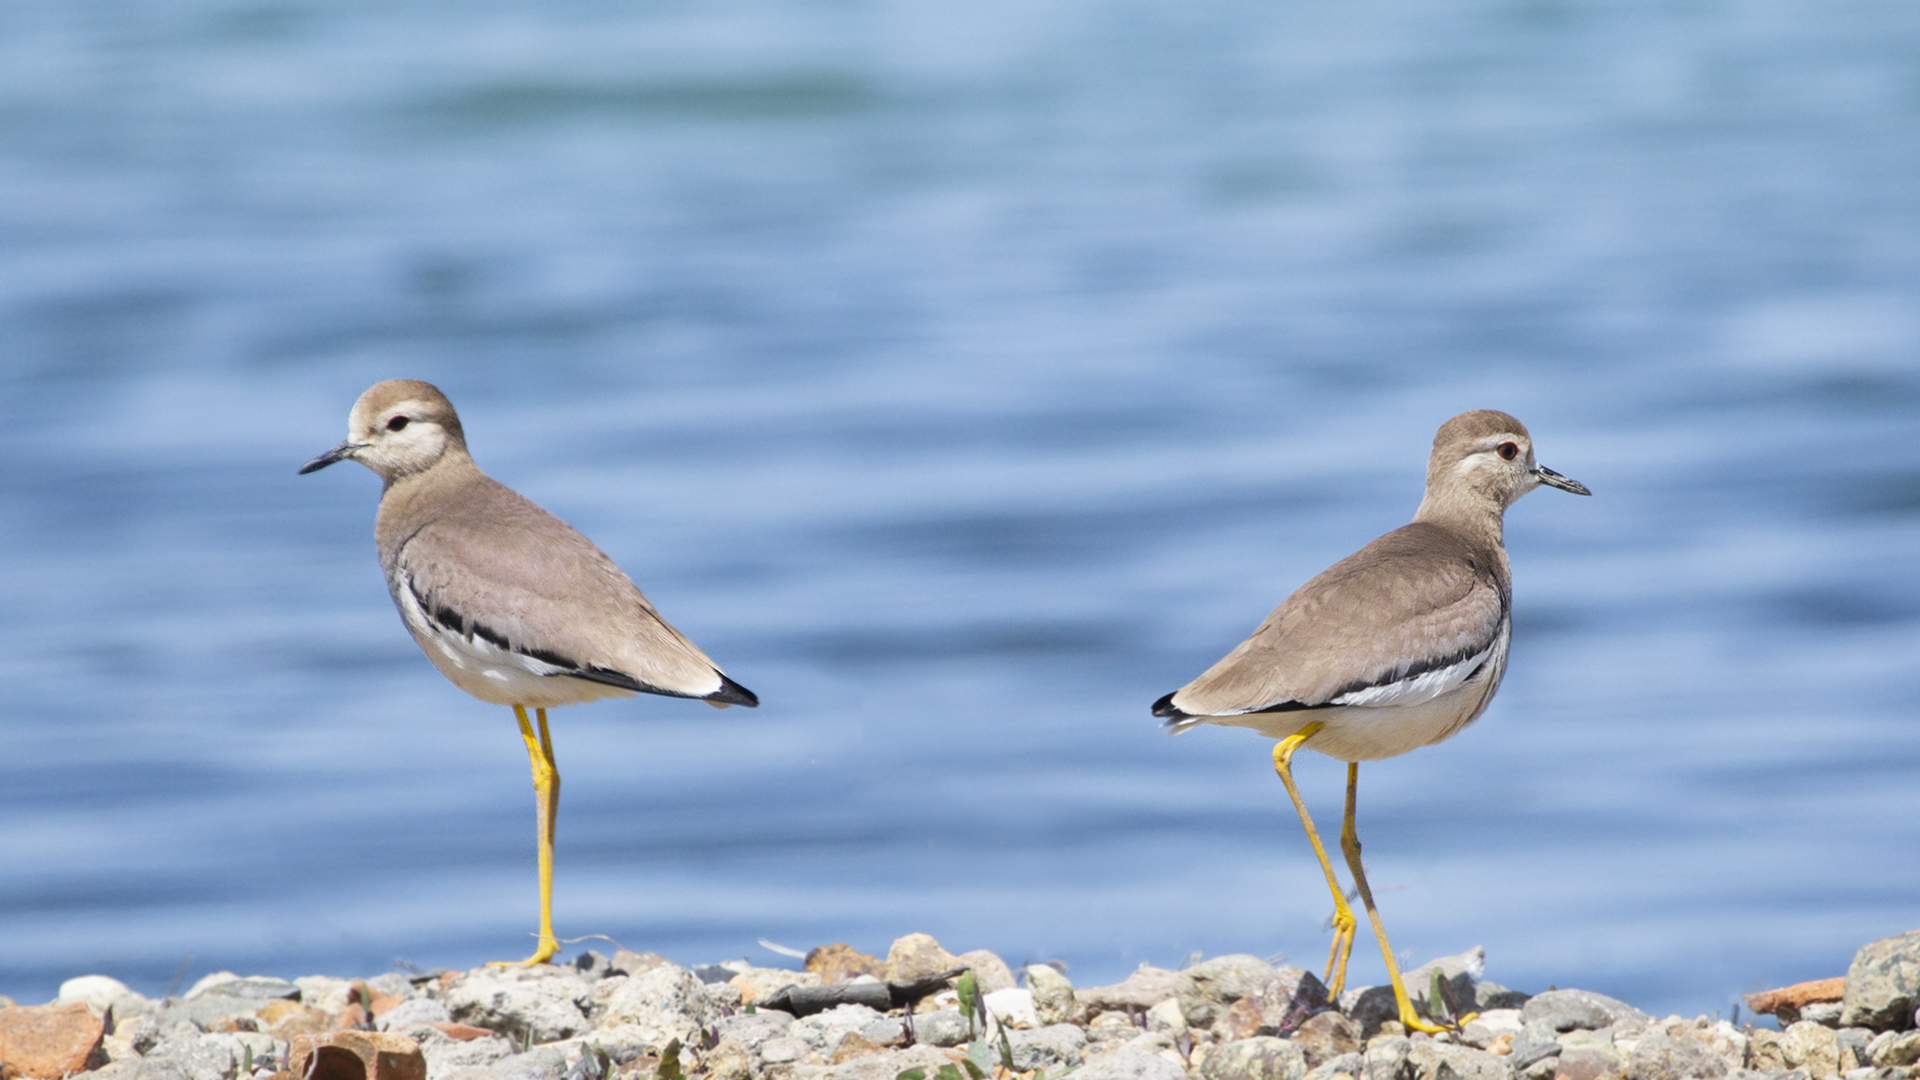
511,604
508,601
1402,643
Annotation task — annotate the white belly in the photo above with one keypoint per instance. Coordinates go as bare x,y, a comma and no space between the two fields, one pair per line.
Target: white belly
1369,733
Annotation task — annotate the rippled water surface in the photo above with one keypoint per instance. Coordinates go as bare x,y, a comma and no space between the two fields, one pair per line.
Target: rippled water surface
962,379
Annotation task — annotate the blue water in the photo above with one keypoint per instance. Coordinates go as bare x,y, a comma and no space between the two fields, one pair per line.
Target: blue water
962,379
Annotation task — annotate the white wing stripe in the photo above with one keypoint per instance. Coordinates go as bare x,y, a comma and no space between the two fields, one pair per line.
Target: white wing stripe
1422,687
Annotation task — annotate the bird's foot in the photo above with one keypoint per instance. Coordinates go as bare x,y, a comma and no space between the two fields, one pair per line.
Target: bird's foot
1343,926
1416,1023
548,947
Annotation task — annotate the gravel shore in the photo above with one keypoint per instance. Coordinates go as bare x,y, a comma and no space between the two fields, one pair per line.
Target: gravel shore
922,1013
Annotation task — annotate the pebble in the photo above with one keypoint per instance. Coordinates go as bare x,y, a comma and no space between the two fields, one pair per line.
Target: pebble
1262,1057
41,1041
1883,985
1572,1010
1143,989
989,971
1209,988
1056,1044
1430,1059
1129,1065
1011,1008
1053,997
1233,1017
918,955
943,1027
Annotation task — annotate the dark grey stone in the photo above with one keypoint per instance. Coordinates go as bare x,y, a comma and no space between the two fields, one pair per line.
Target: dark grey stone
1883,984
1534,1043
1578,1010
1491,995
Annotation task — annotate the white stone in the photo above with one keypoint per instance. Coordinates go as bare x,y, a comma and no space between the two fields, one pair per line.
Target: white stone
100,993
1012,1008
1053,1000
208,982
324,992
1167,1018
663,1004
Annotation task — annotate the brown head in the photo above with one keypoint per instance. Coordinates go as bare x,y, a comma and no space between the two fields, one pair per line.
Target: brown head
1482,463
398,428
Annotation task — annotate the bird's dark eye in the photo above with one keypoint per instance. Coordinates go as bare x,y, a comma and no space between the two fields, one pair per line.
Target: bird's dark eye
399,422
1507,450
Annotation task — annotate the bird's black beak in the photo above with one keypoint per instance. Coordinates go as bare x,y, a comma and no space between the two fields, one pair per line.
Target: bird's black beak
1547,476
339,453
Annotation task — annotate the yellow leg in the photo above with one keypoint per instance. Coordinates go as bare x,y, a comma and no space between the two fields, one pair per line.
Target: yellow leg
546,794
1350,844
1343,922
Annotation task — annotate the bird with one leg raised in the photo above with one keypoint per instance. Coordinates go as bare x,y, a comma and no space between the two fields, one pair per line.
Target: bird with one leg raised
1397,646
508,601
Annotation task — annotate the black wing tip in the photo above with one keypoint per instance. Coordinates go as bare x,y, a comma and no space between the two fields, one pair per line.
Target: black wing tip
1171,713
732,693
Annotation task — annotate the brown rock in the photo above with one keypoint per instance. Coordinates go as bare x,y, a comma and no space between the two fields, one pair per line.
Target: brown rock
363,995
841,962
1275,1004
916,956
1145,988
355,1055
1765,1051
289,1018
1793,998
352,1018
42,1041
1813,1047
227,1025
852,1045
1325,1035
459,1032
990,972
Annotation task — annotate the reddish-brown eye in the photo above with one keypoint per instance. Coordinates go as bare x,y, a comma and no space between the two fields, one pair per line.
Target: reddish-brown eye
1508,451
399,422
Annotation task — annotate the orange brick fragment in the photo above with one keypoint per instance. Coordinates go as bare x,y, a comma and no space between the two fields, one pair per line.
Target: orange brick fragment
355,1055
46,1041
1798,995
